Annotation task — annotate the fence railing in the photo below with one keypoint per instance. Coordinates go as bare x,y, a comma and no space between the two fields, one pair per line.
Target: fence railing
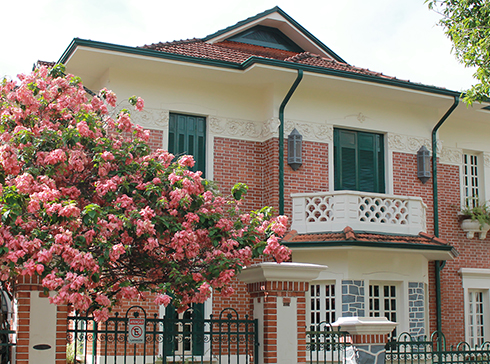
406,349
333,211
324,344
134,338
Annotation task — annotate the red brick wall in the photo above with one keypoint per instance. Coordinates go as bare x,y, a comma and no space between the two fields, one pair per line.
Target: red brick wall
473,253
256,164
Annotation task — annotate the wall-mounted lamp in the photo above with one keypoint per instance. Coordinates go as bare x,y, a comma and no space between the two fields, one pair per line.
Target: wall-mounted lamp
423,164
295,150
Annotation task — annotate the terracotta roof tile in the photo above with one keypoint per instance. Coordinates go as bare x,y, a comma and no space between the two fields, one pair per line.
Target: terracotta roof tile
236,52
364,237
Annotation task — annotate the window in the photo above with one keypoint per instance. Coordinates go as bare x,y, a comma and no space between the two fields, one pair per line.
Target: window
470,180
358,161
383,302
266,37
187,330
476,318
476,286
322,305
187,135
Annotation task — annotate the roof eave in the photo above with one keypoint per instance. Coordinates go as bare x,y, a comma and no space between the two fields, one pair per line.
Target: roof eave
77,42
443,252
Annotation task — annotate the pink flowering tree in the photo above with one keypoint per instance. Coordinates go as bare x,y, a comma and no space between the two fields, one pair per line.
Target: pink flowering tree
87,207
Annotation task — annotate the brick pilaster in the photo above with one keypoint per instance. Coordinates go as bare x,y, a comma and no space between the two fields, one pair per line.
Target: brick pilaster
27,288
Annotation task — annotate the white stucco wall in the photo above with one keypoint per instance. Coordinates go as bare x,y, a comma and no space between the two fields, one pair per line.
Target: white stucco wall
42,329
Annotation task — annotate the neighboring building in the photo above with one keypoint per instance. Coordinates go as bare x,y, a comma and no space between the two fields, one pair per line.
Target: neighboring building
354,199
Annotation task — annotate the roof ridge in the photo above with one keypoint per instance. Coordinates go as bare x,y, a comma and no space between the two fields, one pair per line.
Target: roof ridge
174,42
244,21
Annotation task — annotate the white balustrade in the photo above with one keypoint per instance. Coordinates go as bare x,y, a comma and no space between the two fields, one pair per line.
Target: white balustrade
371,212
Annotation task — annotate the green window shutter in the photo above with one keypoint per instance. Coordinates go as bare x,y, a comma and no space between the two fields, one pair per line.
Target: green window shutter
171,330
198,329
358,161
345,159
187,135
174,330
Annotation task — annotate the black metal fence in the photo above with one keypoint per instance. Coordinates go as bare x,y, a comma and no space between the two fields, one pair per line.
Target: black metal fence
407,349
325,344
136,338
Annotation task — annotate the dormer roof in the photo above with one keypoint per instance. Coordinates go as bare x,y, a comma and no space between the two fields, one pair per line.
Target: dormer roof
276,18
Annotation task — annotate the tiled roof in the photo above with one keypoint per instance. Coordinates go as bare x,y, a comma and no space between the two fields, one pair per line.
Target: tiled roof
359,238
44,63
236,52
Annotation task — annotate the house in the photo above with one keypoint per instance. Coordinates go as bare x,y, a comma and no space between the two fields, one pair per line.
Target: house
337,148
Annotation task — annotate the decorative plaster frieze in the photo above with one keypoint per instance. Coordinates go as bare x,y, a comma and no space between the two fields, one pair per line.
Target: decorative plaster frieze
486,159
151,118
311,131
271,128
243,129
451,156
409,144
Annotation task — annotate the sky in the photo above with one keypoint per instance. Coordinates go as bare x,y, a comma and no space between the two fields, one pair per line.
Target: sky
399,38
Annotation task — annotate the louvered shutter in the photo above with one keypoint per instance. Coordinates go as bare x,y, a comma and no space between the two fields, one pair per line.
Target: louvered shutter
187,135
198,329
358,161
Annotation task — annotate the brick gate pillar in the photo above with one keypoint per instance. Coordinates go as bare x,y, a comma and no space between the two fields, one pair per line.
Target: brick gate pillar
41,326
278,292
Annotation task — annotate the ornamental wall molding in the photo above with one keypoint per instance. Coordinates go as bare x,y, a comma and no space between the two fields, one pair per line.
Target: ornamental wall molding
451,156
265,130
486,159
156,119
310,131
243,129
411,144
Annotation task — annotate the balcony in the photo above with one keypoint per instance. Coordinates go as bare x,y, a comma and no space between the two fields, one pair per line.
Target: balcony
371,212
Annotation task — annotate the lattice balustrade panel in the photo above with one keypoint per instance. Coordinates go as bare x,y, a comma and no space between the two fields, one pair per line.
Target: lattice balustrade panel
383,210
319,209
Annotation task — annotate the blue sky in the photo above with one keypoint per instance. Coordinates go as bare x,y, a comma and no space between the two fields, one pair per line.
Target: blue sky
397,37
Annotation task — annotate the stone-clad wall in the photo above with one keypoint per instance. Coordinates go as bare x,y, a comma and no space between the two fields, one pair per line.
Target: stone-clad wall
416,309
353,298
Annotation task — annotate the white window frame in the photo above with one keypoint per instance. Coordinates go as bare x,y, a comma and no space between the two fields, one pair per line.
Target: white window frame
319,301
381,308
476,280
476,316
472,180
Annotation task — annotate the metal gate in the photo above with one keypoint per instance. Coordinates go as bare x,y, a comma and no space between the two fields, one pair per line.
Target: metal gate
422,350
135,338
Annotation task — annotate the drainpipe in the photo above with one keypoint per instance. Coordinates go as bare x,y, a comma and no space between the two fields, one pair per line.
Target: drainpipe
299,77
439,265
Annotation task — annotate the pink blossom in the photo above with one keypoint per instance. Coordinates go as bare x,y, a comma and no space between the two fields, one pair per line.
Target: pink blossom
116,251
103,300
109,96
24,183
125,202
147,213
84,130
140,104
163,299
107,156
56,156
186,160
101,315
